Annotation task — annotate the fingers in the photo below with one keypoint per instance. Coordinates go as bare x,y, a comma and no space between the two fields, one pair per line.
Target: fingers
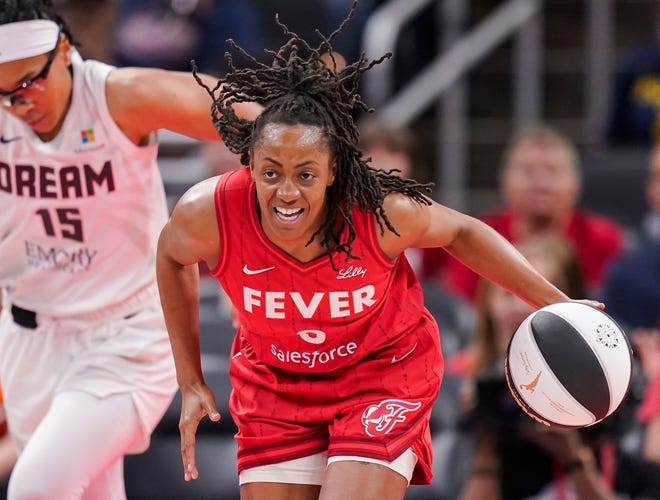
190,471
593,303
596,304
212,412
195,405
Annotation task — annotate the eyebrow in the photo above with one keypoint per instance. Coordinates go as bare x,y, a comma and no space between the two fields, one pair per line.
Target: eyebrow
303,164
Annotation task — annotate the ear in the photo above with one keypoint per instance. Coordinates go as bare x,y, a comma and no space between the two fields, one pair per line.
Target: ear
333,173
65,47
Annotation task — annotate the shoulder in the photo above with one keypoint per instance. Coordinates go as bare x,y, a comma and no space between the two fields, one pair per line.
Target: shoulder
191,234
132,90
126,86
409,218
236,179
196,206
198,194
133,79
398,206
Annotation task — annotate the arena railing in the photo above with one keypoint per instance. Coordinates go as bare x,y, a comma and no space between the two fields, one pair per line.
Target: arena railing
442,82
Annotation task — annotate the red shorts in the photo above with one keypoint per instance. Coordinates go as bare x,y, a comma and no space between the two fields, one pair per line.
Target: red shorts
377,408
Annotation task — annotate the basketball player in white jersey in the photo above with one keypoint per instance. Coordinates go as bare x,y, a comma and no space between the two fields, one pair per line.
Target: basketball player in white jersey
85,362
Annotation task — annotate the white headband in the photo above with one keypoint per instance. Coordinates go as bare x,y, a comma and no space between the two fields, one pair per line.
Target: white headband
25,39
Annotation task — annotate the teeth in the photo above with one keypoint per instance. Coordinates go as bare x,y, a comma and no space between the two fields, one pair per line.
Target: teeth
288,211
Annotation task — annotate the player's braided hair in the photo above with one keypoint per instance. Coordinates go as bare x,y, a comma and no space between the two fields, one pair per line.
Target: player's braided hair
13,11
300,88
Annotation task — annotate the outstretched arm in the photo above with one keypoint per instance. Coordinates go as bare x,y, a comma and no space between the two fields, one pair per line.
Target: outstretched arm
142,100
189,236
472,242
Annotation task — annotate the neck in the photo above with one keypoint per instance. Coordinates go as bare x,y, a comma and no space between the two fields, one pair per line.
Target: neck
535,225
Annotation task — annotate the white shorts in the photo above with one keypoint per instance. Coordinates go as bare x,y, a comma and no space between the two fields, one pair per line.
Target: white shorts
125,355
311,469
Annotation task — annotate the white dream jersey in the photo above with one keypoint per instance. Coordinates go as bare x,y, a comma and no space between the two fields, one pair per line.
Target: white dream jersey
79,215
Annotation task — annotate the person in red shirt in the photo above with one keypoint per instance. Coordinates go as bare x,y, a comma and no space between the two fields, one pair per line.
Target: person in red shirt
336,362
541,186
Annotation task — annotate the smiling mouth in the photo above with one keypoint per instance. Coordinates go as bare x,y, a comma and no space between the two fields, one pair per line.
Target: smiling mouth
288,214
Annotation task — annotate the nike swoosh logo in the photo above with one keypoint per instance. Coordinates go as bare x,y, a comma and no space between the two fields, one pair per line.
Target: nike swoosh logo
396,360
256,271
3,140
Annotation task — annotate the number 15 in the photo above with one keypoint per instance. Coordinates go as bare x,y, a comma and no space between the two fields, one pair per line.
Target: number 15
70,224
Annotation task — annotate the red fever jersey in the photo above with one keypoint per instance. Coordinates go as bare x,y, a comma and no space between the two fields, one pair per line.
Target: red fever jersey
344,359
309,317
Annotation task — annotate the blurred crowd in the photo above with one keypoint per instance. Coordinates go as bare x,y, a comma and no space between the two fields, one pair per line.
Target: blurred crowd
486,448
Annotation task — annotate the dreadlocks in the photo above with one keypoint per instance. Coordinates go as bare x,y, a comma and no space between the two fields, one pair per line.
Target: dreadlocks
300,88
13,11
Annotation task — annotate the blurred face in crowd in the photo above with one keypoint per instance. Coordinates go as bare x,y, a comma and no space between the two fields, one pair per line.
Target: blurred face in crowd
653,182
507,311
385,159
541,182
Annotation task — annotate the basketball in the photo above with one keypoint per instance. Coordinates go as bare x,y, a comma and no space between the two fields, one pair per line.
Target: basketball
569,365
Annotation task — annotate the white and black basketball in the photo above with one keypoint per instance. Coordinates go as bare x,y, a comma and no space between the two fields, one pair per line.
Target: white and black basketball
569,365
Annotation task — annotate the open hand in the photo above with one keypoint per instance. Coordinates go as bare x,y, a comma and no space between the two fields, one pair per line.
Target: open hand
196,403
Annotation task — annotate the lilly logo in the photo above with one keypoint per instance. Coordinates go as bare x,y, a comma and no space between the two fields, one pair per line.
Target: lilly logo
351,272
380,419
312,336
532,385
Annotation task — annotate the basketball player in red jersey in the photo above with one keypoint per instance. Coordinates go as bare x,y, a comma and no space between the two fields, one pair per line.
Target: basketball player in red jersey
336,362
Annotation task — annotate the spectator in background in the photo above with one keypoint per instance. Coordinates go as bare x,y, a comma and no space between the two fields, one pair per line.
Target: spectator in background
391,148
634,118
93,22
541,184
647,348
632,289
632,293
515,457
395,149
168,33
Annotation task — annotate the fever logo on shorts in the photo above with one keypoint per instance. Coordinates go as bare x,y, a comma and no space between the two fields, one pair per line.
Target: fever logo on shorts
381,418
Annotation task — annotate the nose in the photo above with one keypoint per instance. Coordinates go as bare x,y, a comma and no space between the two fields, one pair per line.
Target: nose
288,190
20,107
